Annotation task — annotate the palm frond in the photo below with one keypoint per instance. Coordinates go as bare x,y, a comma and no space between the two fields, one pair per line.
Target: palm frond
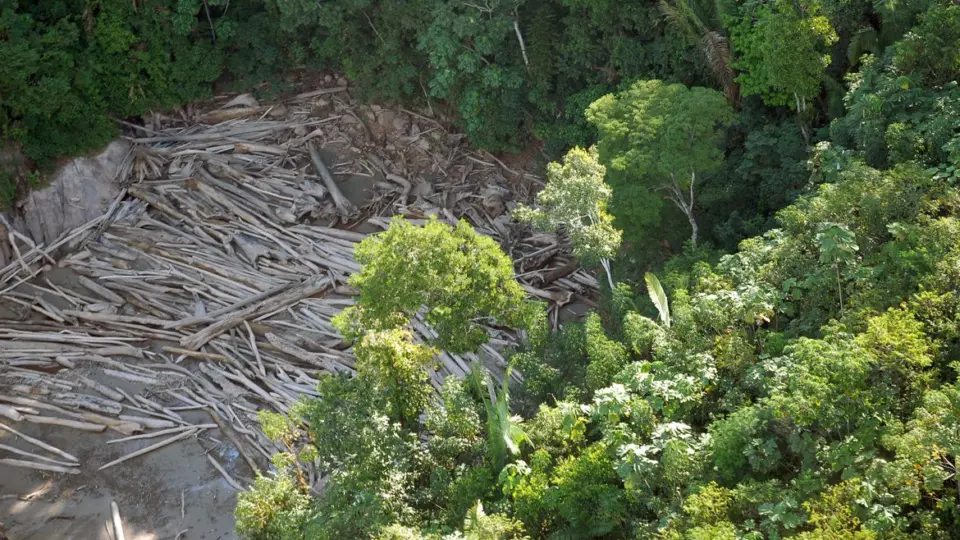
864,41
716,49
658,297
679,15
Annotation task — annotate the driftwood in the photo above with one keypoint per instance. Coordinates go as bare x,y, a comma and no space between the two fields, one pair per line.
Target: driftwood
230,480
11,413
344,206
130,376
41,444
91,403
160,433
151,423
289,297
228,246
233,439
82,426
150,448
37,456
117,524
38,466
112,394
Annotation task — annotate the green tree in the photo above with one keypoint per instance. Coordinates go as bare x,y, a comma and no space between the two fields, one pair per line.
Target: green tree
395,366
838,247
661,138
576,198
783,49
458,279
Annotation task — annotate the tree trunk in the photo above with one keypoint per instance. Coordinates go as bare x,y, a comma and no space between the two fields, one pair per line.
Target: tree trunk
685,202
606,268
694,230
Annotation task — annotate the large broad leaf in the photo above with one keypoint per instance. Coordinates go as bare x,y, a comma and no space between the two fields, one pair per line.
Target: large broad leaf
658,297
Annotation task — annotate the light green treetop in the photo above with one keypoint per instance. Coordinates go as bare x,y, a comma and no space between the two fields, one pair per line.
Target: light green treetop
396,368
455,277
576,198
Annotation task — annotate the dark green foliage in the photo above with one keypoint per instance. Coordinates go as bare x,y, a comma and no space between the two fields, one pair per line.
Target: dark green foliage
67,67
769,172
657,141
782,48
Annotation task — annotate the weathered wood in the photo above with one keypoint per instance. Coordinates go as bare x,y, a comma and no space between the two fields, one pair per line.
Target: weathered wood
162,432
11,413
40,444
39,466
288,298
230,480
37,456
117,524
49,420
344,206
150,448
233,439
114,395
152,423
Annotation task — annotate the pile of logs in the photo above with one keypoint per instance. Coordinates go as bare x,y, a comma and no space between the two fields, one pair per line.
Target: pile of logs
211,282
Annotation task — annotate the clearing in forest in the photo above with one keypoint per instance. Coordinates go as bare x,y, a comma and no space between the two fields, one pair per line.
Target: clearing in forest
205,294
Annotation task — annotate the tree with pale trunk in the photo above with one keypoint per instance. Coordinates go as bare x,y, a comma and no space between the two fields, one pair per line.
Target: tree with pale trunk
659,141
576,198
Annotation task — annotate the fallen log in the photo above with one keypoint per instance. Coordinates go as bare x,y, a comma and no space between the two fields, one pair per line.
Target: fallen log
37,456
41,444
344,207
39,466
49,420
150,448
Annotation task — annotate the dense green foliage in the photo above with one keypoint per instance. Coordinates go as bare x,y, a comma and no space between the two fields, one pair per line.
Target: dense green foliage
801,385
659,140
792,374
452,276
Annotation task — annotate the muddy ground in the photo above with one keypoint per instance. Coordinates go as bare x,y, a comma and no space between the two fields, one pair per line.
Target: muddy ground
164,493
167,491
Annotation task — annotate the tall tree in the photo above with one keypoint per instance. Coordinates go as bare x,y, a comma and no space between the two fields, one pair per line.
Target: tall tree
576,198
663,137
783,49
455,277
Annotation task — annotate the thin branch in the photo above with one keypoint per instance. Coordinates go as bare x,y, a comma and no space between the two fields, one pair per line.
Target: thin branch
523,47
213,32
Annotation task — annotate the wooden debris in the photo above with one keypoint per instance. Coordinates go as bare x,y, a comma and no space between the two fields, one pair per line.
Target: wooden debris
214,276
216,465
38,466
41,444
11,413
150,448
83,426
117,524
160,433
37,456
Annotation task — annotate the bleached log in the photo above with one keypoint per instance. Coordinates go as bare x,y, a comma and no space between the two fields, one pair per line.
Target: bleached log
39,466
40,444
49,420
150,448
